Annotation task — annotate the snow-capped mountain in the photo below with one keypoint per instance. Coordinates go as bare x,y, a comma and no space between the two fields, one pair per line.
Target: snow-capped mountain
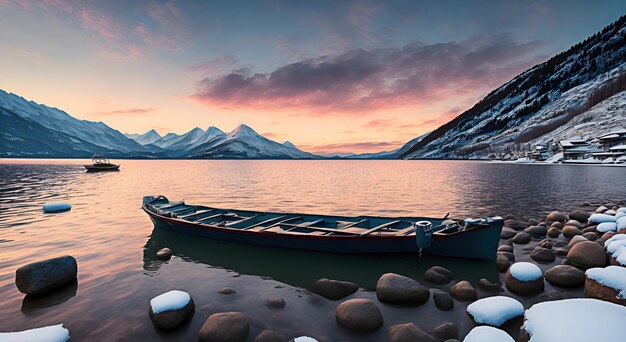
147,138
189,140
96,133
577,92
243,143
388,154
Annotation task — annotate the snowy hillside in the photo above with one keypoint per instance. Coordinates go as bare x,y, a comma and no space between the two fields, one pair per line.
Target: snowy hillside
388,154
577,92
97,133
147,138
190,140
243,142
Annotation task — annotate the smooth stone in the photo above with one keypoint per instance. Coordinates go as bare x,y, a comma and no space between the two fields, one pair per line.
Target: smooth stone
56,207
502,263
522,238
551,295
446,331
507,255
597,290
408,332
488,286
537,231
565,276
534,222
443,301
579,215
333,289
360,315
590,229
463,291
171,319
505,248
394,288
164,254
557,216
507,233
601,209
44,276
575,223
275,302
557,225
523,287
554,232
576,239
268,335
515,224
571,231
225,327
438,275
587,254
542,255
226,291
561,250
607,236
546,243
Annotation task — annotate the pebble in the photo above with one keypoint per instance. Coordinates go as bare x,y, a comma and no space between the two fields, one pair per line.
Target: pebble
463,291
360,315
395,288
438,275
443,301
225,327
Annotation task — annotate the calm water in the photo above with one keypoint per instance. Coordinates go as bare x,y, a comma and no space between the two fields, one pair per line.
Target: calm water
114,241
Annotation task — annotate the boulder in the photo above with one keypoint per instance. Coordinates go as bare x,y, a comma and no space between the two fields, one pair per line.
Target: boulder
268,335
408,332
557,225
168,310
463,291
587,254
225,327
507,233
488,286
164,254
507,255
394,288
565,276
502,263
495,311
571,231
591,236
446,331
44,276
575,223
579,215
607,284
576,239
561,250
515,224
521,238
275,302
524,278
590,229
557,216
546,243
360,315
438,275
542,255
554,232
333,289
443,301
505,248
486,333
537,231
533,222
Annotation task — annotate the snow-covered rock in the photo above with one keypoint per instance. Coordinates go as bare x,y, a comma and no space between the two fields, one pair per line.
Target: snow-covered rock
524,278
53,207
600,218
168,301
621,223
487,334
525,271
606,227
304,339
608,283
616,247
573,323
54,333
170,309
495,310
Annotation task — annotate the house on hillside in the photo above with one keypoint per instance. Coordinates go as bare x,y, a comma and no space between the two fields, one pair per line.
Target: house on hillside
613,146
578,149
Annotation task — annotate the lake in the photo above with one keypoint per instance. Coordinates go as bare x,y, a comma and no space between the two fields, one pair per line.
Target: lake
115,243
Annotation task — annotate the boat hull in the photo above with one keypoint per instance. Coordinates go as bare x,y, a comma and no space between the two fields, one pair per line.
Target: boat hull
94,168
479,244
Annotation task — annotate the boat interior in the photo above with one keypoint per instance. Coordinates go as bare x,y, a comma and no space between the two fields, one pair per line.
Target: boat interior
321,225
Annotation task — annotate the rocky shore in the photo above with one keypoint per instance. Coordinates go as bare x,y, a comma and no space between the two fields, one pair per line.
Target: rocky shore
555,259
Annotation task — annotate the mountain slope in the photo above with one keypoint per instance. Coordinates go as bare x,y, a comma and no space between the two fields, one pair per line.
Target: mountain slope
242,143
144,139
552,95
96,133
388,154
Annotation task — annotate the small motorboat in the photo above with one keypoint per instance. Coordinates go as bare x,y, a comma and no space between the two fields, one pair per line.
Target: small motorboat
101,163
472,239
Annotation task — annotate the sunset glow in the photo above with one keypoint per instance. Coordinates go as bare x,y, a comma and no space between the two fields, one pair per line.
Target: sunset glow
331,77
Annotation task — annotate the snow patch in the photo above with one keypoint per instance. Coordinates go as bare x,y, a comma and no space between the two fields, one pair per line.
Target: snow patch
600,218
170,301
611,276
606,227
487,334
54,333
621,223
525,271
573,320
304,339
495,310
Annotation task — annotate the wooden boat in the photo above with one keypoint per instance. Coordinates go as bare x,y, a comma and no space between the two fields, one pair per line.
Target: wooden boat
101,163
473,239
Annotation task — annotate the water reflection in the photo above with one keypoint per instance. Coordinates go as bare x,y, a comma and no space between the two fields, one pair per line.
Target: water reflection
33,305
301,268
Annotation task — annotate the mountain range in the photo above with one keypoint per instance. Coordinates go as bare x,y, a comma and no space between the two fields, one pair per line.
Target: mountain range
581,91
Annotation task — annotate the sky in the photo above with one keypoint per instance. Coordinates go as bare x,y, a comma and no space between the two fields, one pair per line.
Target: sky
329,76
